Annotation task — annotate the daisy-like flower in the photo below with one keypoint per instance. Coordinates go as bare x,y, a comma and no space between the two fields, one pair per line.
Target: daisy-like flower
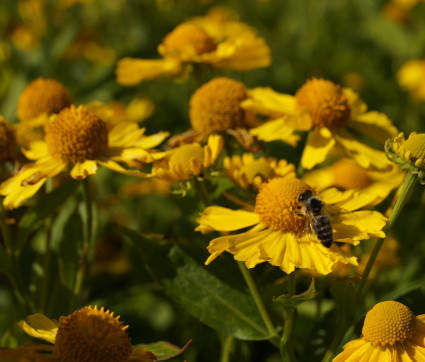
216,107
216,39
78,139
250,172
87,335
329,111
346,174
411,78
409,153
187,161
391,332
277,231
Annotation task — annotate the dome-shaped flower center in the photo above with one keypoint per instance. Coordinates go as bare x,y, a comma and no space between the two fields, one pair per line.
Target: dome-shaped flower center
216,106
188,35
42,96
187,160
277,201
76,134
255,168
7,141
92,335
387,323
326,103
413,149
348,175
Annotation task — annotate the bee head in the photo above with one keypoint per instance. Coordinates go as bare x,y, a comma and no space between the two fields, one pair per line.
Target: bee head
305,196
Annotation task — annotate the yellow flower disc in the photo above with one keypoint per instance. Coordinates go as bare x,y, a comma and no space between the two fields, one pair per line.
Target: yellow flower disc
189,35
387,323
187,160
42,95
277,201
7,141
255,168
76,134
350,176
92,335
216,106
326,103
413,149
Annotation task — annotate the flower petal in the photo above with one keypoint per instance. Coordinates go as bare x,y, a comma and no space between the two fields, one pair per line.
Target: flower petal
376,125
131,71
276,130
319,144
125,134
83,169
222,219
148,142
140,354
114,166
39,326
36,150
265,101
350,199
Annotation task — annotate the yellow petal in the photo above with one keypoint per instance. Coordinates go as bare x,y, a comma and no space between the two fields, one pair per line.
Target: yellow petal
125,134
223,219
148,142
212,149
358,225
357,106
276,130
83,169
349,199
318,146
36,150
320,179
376,125
131,71
265,101
365,156
39,326
114,166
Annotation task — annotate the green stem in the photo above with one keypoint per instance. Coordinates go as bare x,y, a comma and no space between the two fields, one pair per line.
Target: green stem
286,350
226,348
202,192
5,230
344,324
259,302
88,241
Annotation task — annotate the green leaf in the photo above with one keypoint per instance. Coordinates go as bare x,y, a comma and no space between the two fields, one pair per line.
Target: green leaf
200,292
290,303
164,350
46,206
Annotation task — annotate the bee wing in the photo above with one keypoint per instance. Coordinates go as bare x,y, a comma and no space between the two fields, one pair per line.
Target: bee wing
309,226
333,210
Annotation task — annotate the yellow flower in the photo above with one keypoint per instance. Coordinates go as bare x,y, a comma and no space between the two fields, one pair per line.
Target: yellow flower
346,174
249,172
409,153
411,77
8,145
329,111
216,39
278,226
187,161
79,139
87,335
390,332
216,107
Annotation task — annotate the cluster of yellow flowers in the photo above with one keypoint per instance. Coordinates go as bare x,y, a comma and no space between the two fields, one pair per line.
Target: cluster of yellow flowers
294,218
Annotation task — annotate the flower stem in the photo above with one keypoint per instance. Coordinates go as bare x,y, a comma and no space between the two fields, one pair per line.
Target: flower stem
88,239
202,192
286,350
226,348
409,183
258,301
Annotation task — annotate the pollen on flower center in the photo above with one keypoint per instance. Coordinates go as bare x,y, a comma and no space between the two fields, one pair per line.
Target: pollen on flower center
349,175
326,103
76,135
189,35
255,168
187,160
277,201
216,106
42,95
387,323
92,335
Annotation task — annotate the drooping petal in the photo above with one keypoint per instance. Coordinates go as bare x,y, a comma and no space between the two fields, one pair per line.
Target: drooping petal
131,71
319,144
217,218
266,101
358,225
366,157
148,142
83,169
36,150
376,125
114,166
276,130
39,326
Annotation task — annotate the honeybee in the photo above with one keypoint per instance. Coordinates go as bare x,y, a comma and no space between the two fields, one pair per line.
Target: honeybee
318,220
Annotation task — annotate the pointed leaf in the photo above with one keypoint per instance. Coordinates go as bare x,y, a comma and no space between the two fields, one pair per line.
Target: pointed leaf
290,303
